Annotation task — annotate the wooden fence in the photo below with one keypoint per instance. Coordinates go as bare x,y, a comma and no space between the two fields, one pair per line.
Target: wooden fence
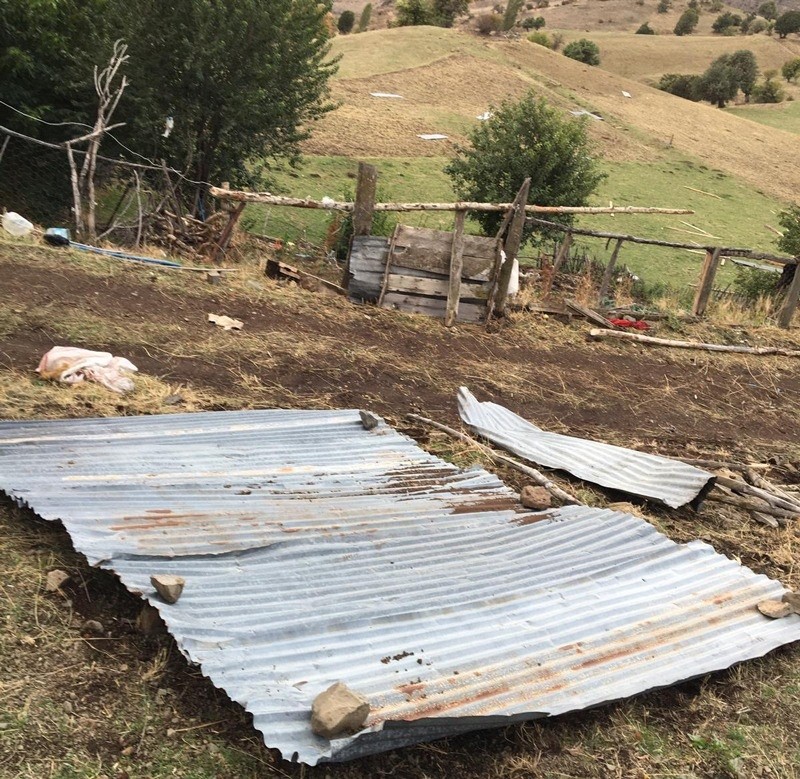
508,239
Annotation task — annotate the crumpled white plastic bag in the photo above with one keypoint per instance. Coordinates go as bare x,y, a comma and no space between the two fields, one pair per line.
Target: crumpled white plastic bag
72,365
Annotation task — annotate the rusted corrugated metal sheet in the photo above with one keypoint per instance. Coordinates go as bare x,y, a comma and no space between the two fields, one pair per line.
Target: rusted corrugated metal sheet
316,551
614,467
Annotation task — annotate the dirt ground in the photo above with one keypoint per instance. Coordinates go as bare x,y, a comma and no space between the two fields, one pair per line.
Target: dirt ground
123,705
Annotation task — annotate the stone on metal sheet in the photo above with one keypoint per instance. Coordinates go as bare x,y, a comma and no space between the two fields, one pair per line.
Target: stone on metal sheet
168,587
775,609
536,498
338,711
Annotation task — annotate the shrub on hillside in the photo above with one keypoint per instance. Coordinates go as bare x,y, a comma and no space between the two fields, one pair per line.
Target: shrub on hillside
687,22
726,21
790,69
523,139
681,85
347,20
366,15
445,12
533,23
541,39
663,6
756,26
488,23
583,50
410,13
753,284
769,90
789,221
645,29
769,10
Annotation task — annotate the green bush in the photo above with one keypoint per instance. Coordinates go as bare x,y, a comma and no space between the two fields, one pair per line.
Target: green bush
487,23
663,6
645,29
541,39
769,91
687,22
583,50
682,85
347,20
753,284
533,23
791,69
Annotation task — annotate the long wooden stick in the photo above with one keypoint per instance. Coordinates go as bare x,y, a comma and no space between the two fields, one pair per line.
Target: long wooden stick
597,333
750,505
332,205
532,473
774,500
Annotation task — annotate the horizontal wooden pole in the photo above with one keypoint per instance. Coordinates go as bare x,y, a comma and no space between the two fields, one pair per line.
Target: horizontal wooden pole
268,198
597,334
724,251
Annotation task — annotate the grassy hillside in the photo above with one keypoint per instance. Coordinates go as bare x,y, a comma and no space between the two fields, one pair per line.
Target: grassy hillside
656,149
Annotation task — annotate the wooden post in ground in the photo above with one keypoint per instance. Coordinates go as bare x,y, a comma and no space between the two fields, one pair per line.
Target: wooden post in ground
363,209
512,244
790,301
227,233
563,251
706,284
608,273
456,267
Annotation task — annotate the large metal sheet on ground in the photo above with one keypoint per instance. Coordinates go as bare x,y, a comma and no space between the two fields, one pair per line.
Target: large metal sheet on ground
614,467
316,551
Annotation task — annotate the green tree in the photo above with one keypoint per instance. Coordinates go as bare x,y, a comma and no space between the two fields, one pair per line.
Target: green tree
244,80
745,71
790,69
718,84
663,6
789,221
787,23
346,22
521,139
682,85
769,10
411,13
726,21
364,19
447,11
513,7
583,50
687,22
645,29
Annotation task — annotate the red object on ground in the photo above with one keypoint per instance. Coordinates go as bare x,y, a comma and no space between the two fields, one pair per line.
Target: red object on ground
640,325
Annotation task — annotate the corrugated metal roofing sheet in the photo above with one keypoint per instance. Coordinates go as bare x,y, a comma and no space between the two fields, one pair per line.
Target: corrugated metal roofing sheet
615,467
315,551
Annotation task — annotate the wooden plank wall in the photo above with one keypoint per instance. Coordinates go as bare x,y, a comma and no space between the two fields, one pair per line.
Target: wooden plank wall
419,272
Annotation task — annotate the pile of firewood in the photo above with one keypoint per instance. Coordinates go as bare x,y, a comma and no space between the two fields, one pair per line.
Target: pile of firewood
188,237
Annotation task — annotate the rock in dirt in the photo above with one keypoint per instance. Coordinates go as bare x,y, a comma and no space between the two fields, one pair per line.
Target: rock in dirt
149,621
774,609
338,711
168,587
792,599
537,498
92,628
56,580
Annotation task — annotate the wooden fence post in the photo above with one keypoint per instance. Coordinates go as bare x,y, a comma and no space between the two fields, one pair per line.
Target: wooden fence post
790,301
563,251
456,267
707,274
363,209
608,273
512,244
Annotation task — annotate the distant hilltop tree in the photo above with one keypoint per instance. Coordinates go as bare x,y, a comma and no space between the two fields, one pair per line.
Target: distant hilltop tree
441,13
768,10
